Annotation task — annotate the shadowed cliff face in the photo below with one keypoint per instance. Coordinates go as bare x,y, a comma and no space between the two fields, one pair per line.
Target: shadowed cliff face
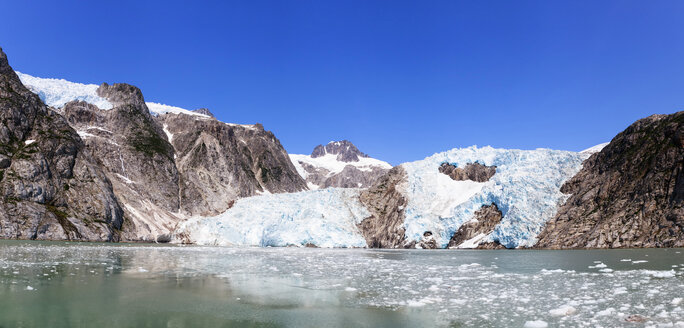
220,162
484,221
386,203
631,194
50,187
134,153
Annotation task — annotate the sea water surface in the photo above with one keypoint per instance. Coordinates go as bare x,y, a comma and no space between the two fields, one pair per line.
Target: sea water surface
66,284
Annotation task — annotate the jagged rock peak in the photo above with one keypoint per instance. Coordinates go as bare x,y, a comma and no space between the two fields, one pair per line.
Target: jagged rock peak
345,151
7,71
121,94
204,111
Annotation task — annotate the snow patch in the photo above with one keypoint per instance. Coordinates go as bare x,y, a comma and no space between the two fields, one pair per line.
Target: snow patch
58,92
595,149
330,163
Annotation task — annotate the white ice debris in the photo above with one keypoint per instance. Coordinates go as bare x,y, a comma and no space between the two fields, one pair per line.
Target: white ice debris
536,324
57,92
563,311
325,218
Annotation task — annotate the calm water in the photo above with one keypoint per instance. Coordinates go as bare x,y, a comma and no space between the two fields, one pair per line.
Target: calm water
58,284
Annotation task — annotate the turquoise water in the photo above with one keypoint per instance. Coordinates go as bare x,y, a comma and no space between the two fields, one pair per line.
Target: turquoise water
60,284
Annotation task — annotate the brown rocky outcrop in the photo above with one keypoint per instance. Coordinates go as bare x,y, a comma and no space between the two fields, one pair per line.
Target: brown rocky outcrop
386,203
132,149
472,171
483,222
50,188
220,162
345,151
631,194
353,175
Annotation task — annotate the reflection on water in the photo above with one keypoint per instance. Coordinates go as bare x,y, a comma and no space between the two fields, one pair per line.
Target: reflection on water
60,284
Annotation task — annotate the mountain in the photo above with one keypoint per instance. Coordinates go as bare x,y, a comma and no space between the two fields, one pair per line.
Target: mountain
99,163
418,204
339,164
162,163
50,187
630,194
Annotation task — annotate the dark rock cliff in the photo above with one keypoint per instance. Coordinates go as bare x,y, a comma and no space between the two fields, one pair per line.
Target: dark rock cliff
386,203
220,162
345,151
50,187
631,194
133,151
353,175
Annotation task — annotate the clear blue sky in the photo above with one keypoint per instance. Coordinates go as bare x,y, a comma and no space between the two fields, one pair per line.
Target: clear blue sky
401,79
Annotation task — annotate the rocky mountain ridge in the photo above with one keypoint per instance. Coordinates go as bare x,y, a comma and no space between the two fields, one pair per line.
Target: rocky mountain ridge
100,163
161,163
630,194
339,164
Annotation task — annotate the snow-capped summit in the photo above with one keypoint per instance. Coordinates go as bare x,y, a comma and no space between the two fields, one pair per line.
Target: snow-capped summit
338,164
345,151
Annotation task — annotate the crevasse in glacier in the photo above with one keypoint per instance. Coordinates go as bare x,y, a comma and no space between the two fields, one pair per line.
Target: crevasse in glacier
526,188
325,218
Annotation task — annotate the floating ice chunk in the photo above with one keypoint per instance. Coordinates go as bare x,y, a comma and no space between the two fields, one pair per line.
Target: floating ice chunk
660,274
600,265
639,261
676,301
413,303
620,290
350,289
607,312
536,324
29,288
563,311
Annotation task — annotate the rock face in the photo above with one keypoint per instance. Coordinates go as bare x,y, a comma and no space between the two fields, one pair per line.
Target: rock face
220,162
345,151
128,142
386,203
50,187
631,194
339,164
484,222
132,149
472,171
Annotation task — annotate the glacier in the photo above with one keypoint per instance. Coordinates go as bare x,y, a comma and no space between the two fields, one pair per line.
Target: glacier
526,188
325,218
58,92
